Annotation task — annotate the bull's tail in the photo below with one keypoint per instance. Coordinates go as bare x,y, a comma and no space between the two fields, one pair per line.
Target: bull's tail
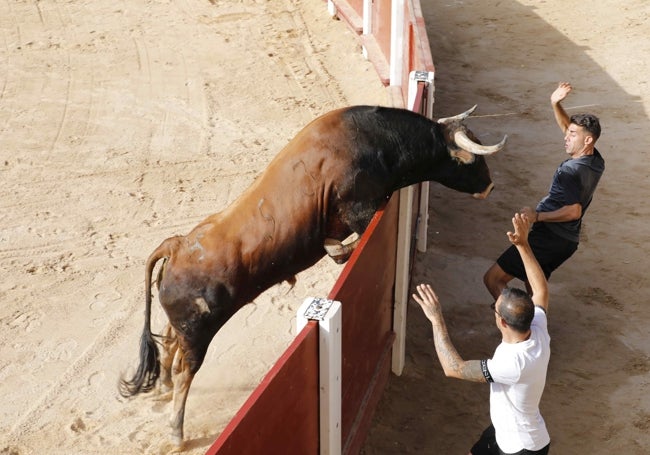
148,370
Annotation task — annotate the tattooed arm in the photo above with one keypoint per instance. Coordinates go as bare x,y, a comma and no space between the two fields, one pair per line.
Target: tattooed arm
452,363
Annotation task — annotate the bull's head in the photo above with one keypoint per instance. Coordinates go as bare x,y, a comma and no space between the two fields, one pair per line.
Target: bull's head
466,150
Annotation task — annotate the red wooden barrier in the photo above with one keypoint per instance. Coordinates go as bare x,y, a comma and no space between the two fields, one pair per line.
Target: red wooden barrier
365,290
416,52
290,388
376,40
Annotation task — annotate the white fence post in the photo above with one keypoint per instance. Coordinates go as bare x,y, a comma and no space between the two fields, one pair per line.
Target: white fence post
423,213
331,8
367,17
404,229
397,42
328,314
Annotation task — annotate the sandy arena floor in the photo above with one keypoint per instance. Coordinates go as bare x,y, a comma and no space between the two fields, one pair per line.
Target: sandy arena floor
123,123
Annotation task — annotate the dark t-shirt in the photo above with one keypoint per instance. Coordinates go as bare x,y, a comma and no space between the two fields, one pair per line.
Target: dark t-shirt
575,181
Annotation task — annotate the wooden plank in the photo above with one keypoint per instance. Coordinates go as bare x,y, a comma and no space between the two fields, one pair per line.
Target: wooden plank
367,314
282,412
351,11
371,400
402,277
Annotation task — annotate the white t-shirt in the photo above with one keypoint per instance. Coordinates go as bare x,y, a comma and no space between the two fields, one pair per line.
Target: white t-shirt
517,375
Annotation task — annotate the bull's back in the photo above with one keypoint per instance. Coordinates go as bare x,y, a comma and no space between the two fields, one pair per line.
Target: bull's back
276,228
293,193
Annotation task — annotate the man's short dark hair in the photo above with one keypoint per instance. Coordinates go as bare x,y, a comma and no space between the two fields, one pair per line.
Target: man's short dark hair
589,122
517,309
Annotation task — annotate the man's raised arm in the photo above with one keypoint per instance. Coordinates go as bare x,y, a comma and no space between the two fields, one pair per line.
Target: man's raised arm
452,363
561,117
534,273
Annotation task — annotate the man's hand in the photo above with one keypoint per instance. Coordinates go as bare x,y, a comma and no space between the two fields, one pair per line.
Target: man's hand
529,213
560,92
428,300
521,223
534,272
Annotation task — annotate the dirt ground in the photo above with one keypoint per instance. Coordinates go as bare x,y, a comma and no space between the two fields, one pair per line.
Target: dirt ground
123,123
507,57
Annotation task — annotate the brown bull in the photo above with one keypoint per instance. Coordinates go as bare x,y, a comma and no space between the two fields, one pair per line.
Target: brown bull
323,187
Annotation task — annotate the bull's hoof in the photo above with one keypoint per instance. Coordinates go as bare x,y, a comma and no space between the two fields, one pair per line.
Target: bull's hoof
341,259
339,251
177,440
177,432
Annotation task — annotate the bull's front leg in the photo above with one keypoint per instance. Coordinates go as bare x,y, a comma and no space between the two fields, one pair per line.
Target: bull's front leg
182,379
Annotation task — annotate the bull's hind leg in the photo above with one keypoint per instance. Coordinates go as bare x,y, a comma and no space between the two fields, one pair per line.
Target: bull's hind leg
195,323
168,351
182,378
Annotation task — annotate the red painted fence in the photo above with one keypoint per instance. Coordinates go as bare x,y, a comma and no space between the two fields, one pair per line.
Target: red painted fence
365,290
289,389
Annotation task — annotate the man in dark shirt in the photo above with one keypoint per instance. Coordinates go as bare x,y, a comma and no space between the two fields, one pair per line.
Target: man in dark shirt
558,217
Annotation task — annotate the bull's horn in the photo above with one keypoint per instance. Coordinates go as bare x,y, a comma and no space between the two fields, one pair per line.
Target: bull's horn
466,143
462,116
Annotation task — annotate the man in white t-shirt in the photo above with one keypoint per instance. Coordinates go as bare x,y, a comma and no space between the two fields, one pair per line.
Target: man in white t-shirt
517,370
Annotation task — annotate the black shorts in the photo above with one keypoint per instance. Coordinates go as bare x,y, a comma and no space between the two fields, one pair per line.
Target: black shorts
549,249
487,445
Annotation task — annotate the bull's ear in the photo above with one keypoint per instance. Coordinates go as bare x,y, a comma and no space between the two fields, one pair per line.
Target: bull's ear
462,156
